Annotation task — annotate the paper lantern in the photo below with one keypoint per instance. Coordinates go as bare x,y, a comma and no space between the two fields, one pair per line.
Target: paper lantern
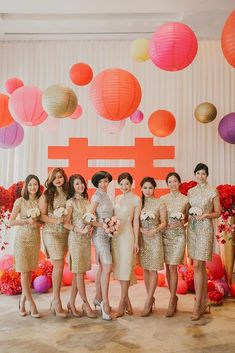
11,136
228,39
59,101
139,50
173,46
77,113
67,276
161,280
182,287
215,267
139,271
205,112
232,290
91,275
41,284
161,123
137,117
112,127
226,128
5,116
26,107
115,94
12,84
6,261
81,74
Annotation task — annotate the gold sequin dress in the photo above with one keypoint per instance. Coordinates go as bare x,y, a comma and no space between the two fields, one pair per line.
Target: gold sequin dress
174,240
151,248
200,233
27,239
79,244
55,236
123,241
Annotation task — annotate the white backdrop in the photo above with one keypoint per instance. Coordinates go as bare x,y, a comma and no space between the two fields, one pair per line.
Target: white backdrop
209,78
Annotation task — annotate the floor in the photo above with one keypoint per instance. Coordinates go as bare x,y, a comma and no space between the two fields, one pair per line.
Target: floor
214,333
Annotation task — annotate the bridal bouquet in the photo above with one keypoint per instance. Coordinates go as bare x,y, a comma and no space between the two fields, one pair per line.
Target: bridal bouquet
147,219
33,212
59,212
176,216
195,211
111,226
88,218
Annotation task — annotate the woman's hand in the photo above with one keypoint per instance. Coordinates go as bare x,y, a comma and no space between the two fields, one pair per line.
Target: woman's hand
60,220
203,216
136,248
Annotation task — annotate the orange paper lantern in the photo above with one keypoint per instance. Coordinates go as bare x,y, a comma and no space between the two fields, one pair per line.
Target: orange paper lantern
115,94
81,74
5,116
161,123
228,39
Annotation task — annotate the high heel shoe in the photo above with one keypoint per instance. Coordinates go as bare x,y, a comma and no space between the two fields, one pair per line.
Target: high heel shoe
35,315
74,313
128,308
105,316
172,308
206,308
196,314
56,313
91,315
149,310
96,303
22,313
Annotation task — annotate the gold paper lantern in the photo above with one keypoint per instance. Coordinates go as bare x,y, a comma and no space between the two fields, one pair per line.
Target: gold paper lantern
59,101
205,112
139,50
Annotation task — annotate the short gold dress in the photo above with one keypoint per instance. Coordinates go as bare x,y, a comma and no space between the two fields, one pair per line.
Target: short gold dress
79,244
174,240
55,236
200,233
27,239
151,248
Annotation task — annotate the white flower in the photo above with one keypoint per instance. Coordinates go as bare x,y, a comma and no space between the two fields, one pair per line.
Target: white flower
59,212
195,211
89,217
33,212
177,216
146,216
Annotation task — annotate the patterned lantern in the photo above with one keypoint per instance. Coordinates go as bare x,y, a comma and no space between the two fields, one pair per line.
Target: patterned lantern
5,116
115,94
81,74
173,46
59,101
12,84
205,112
26,107
228,39
11,136
161,123
139,50
226,128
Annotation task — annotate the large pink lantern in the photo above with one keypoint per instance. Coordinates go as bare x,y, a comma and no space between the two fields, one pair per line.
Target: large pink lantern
26,107
11,136
173,46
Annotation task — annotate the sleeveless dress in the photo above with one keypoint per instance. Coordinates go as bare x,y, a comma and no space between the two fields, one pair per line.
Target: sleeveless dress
151,248
79,244
27,238
123,241
101,240
200,233
174,240
55,236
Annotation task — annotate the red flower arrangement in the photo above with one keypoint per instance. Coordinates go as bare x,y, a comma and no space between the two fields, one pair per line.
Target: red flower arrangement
10,282
184,187
227,201
15,192
215,297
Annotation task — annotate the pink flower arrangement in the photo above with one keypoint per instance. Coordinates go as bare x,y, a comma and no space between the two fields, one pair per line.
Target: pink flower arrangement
111,226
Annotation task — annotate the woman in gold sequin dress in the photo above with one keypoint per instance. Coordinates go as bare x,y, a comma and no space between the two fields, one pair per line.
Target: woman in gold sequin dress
174,237
203,206
27,240
153,221
55,237
79,242
127,209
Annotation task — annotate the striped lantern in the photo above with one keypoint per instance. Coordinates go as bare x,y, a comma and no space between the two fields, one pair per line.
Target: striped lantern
11,136
173,46
228,39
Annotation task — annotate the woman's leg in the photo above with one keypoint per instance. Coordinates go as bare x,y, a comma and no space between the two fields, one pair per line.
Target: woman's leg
168,277
124,297
98,295
73,293
82,292
57,273
146,279
25,282
152,284
173,281
198,283
204,299
104,281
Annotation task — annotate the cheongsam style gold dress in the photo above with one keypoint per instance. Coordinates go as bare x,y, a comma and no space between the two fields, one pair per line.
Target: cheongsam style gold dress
27,239
79,244
174,240
151,248
123,241
55,236
200,233
101,240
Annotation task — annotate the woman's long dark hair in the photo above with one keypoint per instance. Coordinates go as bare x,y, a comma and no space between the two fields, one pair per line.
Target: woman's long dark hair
71,191
51,190
25,192
150,180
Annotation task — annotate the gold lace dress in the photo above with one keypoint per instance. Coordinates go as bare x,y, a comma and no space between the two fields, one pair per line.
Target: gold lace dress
151,248
55,236
174,240
27,238
200,233
79,244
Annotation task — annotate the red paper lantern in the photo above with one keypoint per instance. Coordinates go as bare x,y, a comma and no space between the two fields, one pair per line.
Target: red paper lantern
161,123
173,46
139,271
228,39
215,267
67,276
5,116
182,287
12,84
232,290
115,94
161,280
81,74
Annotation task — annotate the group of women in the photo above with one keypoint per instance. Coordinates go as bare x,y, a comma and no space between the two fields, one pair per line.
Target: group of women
151,229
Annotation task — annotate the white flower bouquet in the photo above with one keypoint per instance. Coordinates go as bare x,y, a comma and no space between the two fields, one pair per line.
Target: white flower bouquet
111,226
195,211
176,216
88,218
33,212
147,220
60,212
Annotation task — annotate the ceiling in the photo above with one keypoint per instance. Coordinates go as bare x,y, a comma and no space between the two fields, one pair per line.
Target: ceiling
108,19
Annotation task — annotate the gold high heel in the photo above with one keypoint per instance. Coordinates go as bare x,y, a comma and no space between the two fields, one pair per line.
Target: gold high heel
172,308
22,313
36,315
91,315
206,308
149,310
128,308
56,313
196,314
72,312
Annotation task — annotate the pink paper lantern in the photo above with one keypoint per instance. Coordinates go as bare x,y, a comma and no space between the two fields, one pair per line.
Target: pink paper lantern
11,136
41,284
137,117
26,107
173,46
77,113
12,84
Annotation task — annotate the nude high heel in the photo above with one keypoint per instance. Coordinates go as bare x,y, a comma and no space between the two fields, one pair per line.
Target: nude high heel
172,308
72,312
36,315
105,316
96,303
56,313
149,310
22,313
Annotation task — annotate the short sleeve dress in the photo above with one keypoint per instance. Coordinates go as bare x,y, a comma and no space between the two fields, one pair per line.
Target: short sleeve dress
27,239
